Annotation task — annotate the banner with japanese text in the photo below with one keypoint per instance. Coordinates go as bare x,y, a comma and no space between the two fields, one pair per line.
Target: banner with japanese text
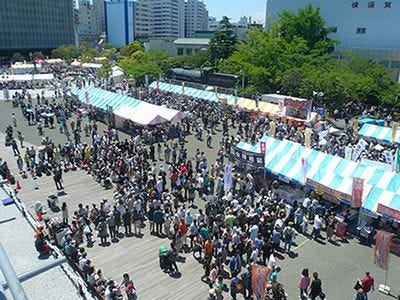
304,167
395,125
397,169
348,152
357,192
355,127
388,212
87,97
263,146
228,182
272,129
382,249
260,275
299,109
307,138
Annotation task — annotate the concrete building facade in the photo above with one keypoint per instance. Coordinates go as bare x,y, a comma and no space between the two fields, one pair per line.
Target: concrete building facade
367,27
168,18
120,22
27,25
90,25
196,17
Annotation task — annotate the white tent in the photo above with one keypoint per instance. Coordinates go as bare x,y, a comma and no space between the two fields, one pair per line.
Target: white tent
26,77
171,115
76,63
137,115
117,74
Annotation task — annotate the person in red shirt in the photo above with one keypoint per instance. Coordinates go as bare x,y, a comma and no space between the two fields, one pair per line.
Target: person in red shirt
183,230
367,284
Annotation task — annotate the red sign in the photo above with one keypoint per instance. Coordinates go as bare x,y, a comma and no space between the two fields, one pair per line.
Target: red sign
259,281
357,192
382,249
388,212
299,109
263,146
341,230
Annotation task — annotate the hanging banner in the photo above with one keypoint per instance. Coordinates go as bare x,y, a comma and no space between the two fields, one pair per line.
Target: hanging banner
341,230
239,155
355,127
235,99
146,80
259,279
348,152
299,109
395,125
304,167
388,212
360,147
357,192
183,88
307,138
397,169
87,98
228,178
157,85
272,129
263,146
389,158
382,249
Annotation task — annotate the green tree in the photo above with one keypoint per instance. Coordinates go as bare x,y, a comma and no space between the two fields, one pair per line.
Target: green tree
38,54
128,50
105,71
17,57
223,42
66,52
307,24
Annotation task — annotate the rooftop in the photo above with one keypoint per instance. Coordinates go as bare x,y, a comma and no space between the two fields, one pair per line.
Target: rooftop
192,41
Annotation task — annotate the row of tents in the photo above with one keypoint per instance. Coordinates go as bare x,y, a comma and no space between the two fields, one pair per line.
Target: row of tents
125,107
334,175
266,108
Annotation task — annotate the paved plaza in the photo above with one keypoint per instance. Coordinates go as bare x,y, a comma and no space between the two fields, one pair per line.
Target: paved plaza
339,264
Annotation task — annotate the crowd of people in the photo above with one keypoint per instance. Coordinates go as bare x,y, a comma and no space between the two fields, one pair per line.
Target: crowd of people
156,181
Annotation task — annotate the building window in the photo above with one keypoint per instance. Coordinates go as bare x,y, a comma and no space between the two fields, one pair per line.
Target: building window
354,4
371,4
388,4
189,51
180,51
334,29
361,30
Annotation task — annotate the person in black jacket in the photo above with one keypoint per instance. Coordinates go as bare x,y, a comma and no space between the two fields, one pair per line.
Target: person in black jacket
58,179
127,220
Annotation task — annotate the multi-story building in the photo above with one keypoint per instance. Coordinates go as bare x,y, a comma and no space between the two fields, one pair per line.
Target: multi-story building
27,25
90,21
143,19
120,22
168,18
370,28
240,27
196,17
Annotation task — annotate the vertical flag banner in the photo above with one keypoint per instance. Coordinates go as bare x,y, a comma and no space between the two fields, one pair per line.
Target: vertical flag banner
307,138
146,80
355,127
183,88
259,279
216,91
272,129
348,152
158,85
263,146
360,147
235,103
87,97
357,192
228,178
395,125
397,169
6,93
304,167
382,249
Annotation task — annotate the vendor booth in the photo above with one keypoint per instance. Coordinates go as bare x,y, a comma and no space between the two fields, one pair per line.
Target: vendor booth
379,133
295,110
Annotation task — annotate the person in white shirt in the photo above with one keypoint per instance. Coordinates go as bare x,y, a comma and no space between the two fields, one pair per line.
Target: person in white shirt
253,232
316,227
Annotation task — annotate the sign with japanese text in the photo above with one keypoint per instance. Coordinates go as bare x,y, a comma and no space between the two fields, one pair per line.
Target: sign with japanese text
299,109
357,192
382,249
388,212
260,275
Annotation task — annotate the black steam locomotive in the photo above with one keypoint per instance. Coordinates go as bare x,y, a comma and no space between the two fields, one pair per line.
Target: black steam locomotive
206,76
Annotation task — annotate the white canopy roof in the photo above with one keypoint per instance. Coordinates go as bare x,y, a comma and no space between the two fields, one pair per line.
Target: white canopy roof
139,116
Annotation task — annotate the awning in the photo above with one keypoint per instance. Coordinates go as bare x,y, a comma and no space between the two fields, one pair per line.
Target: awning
383,203
379,133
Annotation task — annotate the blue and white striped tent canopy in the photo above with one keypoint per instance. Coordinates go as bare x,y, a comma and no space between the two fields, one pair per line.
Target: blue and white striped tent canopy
381,196
103,99
284,158
379,133
192,92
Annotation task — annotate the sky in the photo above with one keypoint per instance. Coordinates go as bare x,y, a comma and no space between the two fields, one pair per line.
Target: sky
234,9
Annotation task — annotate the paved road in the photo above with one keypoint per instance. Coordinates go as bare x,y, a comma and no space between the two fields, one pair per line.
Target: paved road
338,265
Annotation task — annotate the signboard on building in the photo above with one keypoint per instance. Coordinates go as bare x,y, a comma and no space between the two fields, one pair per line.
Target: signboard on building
242,156
297,109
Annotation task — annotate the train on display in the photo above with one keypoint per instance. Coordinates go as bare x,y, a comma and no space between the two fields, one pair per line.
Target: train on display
206,76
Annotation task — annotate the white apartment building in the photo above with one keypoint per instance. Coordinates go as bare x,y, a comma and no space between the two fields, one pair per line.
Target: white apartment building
168,18
196,17
120,21
89,20
240,27
370,28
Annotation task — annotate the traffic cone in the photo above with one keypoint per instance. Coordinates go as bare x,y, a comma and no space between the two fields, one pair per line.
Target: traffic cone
18,185
39,214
